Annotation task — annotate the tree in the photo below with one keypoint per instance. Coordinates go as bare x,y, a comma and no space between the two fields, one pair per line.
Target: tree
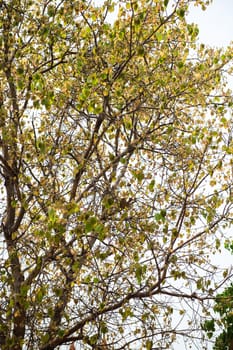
116,172
223,306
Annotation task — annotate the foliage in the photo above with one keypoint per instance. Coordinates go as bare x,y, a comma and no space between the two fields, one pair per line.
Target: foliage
116,172
223,306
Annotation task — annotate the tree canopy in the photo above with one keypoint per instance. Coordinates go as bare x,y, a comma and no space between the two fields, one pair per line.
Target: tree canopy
116,173
222,325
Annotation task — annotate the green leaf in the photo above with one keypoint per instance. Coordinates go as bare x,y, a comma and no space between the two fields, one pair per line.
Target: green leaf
61,332
93,339
159,36
20,70
141,51
181,12
149,344
126,312
103,328
47,102
161,215
45,338
90,224
138,174
139,272
39,295
51,10
52,215
209,325
42,147
151,185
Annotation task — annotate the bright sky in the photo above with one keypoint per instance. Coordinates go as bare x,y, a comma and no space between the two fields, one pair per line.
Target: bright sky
216,23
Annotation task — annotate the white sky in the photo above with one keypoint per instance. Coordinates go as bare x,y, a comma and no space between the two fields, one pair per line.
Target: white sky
216,23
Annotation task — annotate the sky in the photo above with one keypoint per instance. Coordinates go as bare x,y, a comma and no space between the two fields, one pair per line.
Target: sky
216,23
